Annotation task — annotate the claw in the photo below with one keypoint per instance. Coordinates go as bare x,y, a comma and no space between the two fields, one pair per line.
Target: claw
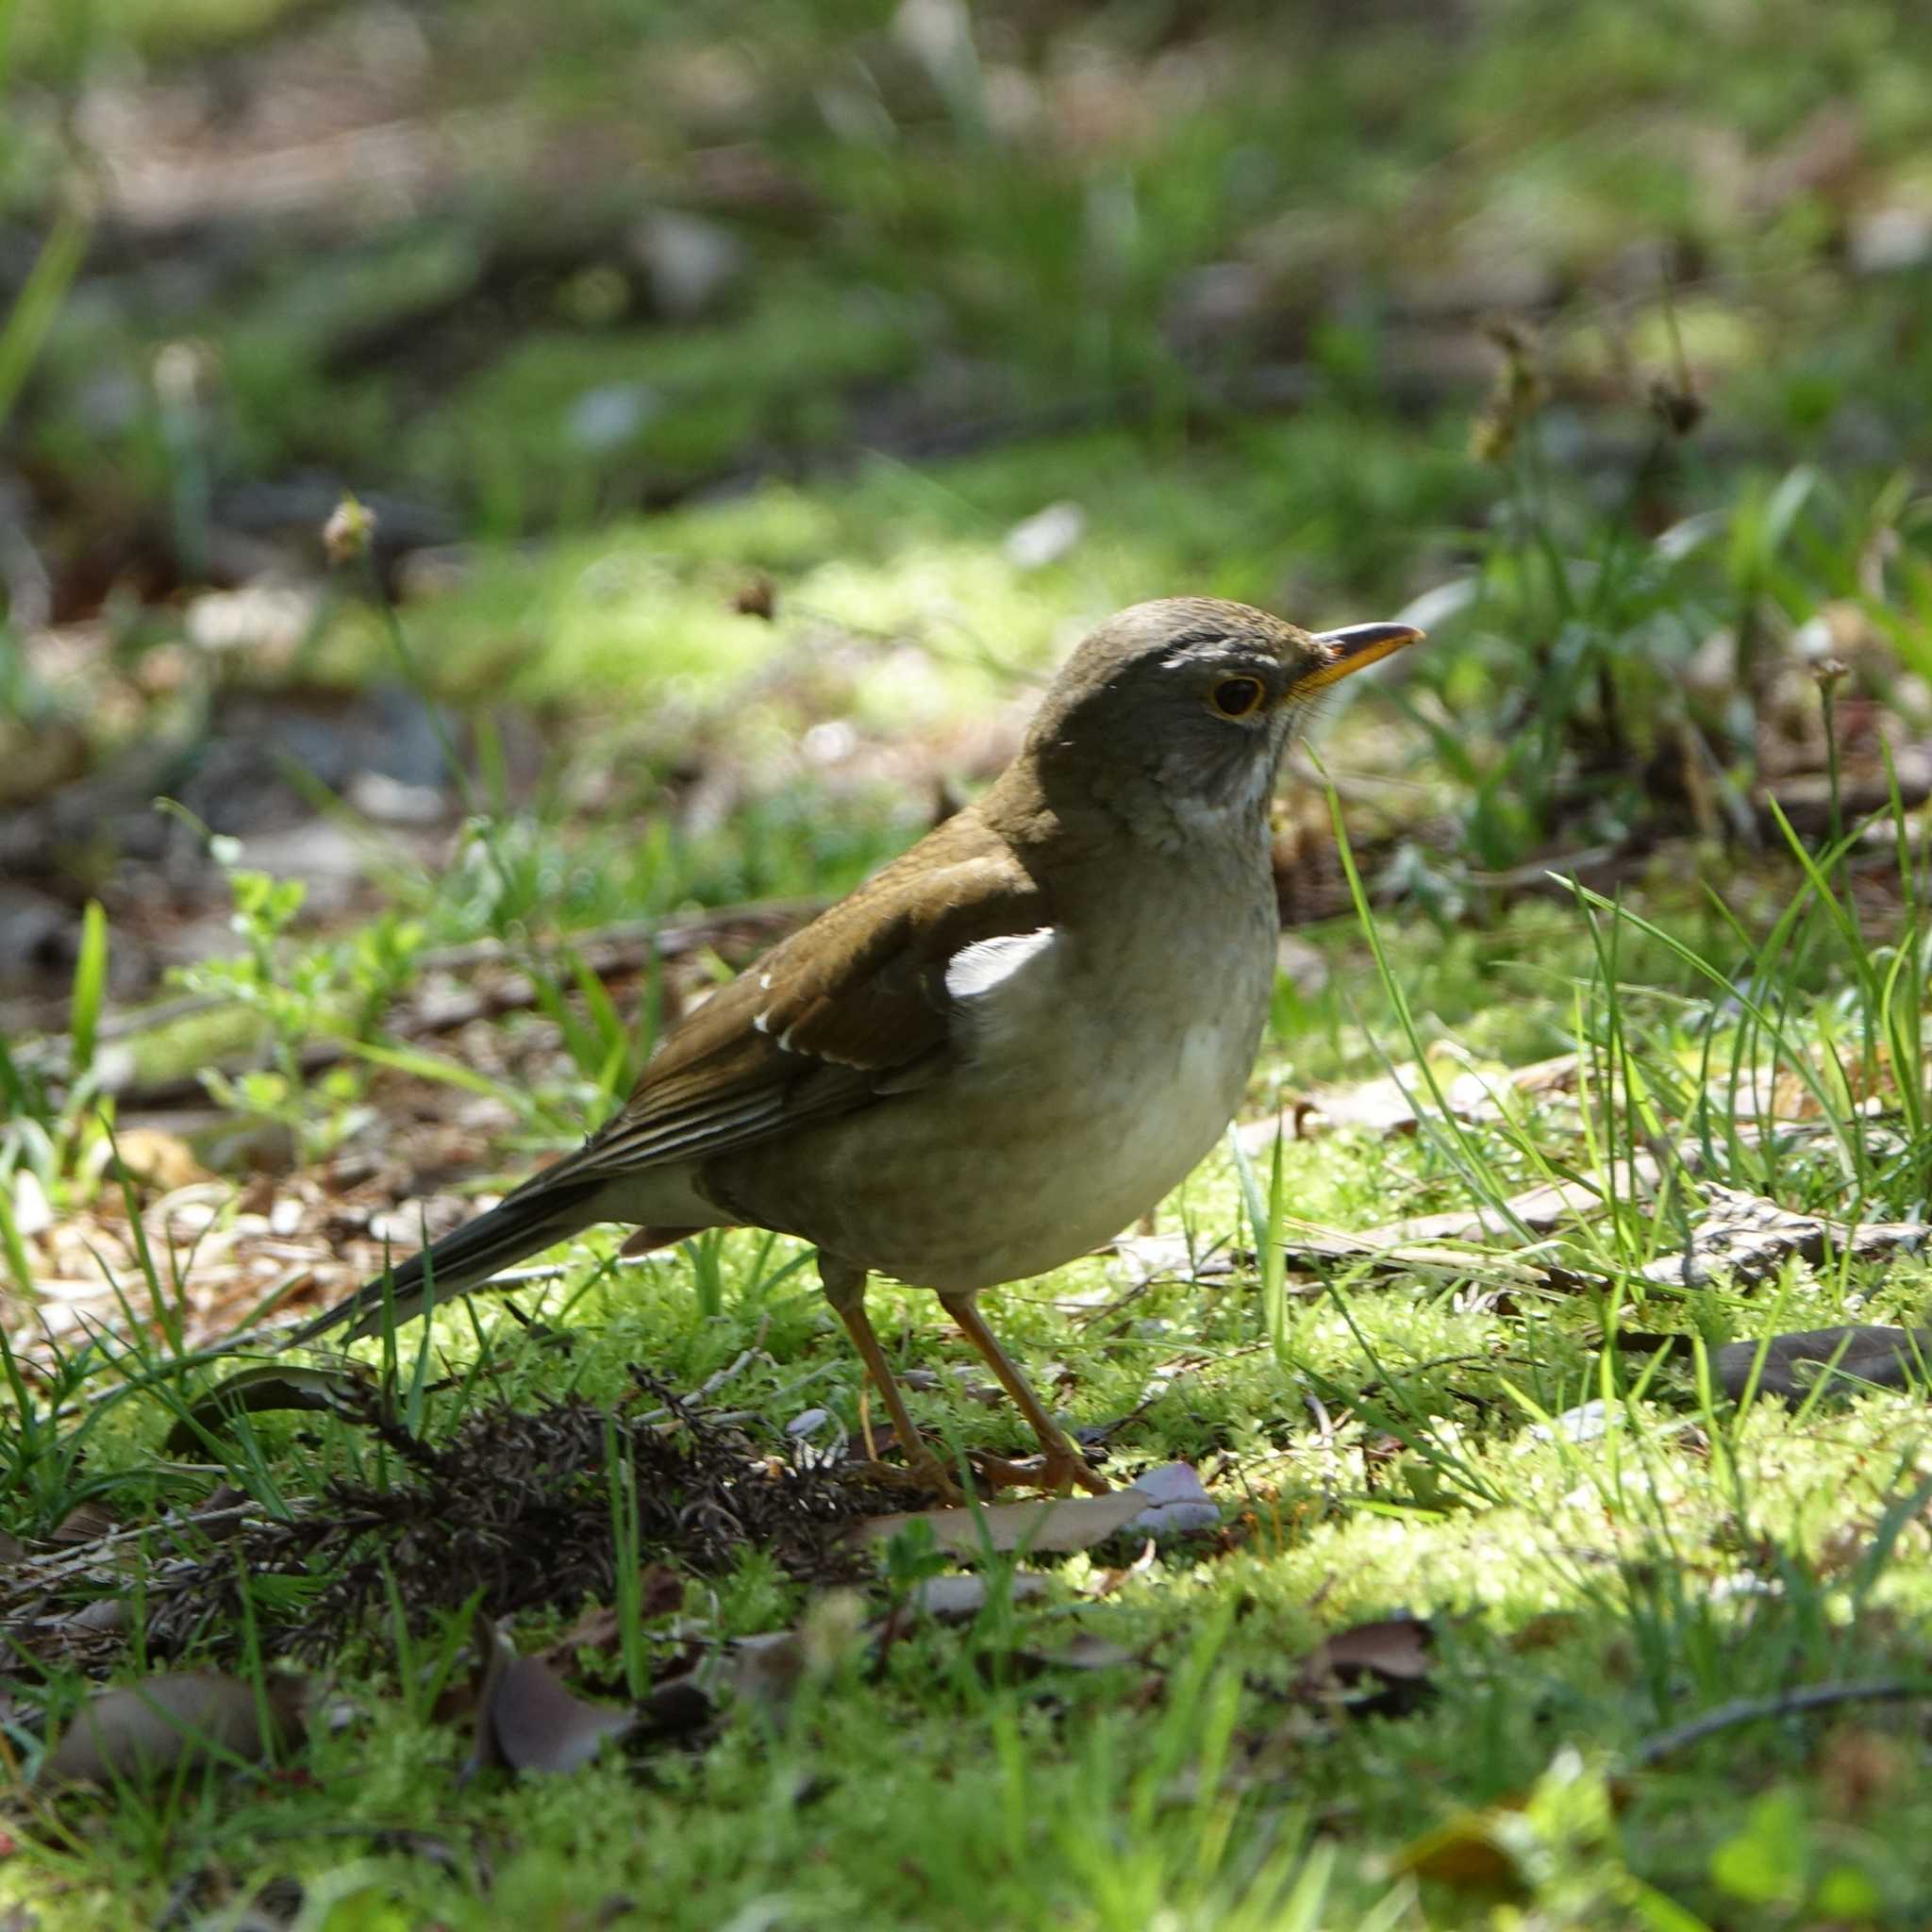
1056,1473
925,1475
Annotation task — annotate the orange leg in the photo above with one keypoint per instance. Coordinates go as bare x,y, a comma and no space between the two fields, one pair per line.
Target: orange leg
1064,1463
844,1287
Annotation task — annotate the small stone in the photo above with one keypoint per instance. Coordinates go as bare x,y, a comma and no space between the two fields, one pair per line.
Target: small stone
607,417
1046,537
690,263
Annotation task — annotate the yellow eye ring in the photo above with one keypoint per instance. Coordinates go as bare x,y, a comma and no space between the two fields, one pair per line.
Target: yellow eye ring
1237,697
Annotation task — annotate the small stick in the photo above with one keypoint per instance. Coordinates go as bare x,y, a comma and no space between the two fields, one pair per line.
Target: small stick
1746,1711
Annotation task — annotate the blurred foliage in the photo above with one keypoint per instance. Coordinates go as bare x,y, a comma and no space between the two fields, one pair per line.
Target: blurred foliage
613,308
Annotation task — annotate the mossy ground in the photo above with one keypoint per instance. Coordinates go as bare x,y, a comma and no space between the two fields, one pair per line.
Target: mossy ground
946,323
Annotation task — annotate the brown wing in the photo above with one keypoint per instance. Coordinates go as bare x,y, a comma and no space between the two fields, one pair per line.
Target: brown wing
851,1007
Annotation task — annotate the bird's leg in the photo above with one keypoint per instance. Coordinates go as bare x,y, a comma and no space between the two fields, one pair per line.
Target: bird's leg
844,1287
1064,1463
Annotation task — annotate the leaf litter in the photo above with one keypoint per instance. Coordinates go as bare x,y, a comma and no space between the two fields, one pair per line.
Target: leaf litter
1165,1502
1854,1354
155,1726
515,1508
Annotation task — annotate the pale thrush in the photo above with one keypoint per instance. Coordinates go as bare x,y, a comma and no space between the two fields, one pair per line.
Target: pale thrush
1006,1045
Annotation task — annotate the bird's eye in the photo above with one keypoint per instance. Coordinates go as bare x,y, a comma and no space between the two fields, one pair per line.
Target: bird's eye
1237,697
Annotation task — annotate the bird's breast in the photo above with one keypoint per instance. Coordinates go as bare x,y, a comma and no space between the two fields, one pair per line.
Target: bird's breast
1088,1076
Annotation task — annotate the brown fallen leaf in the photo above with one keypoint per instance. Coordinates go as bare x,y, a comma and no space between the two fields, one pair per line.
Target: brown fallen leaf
1086,1652
496,1653
960,1599
1410,1243
86,1523
1387,1104
1306,1241
765,1669
539,1724
1545,1630
1541,1210
660,1590
147,1730
1747,1238
1379,1669
1053,1524
1469,1853
1145,1257
1104,1582
156,1158
1392,1103
1855,1353
348,1391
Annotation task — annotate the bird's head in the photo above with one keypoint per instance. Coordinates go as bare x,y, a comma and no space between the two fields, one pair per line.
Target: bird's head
1176,713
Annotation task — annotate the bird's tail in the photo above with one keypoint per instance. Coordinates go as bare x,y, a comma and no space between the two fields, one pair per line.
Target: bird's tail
524,1223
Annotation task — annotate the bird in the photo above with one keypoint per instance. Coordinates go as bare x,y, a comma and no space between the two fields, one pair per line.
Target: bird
1001,1049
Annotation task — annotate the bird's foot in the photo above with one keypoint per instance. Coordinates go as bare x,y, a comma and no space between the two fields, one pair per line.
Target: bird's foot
1056,1472
925,1474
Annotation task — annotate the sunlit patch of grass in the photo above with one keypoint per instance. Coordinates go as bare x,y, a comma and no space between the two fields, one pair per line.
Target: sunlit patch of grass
893,556
1596,1573
1399,1440
566,425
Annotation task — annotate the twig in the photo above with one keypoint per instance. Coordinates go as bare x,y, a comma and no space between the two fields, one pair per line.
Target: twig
1746,1711
43,1569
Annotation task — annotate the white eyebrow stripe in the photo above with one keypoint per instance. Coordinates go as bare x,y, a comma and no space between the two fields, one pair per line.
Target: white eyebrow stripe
977,969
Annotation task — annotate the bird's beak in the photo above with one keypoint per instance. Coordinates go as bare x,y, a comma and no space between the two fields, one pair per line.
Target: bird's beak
1347,650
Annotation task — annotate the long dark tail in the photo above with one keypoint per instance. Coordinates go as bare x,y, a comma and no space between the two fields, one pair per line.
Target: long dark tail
524,1223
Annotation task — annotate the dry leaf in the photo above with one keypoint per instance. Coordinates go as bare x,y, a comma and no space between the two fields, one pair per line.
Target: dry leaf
1748,1238
155,1156
1145,1257
1862,1351
86,1523
1181,1506
960,1599
346,1391
1545,1630
1408,1244
1379,1669
660,1590
1541,1210
1088,1652
768,1668
1085,1653
540,1726
1056,1525
147,1730
1390,1104
1465,1855
1306,1241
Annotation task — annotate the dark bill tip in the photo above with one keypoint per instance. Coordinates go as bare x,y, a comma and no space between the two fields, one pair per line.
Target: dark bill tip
1351,647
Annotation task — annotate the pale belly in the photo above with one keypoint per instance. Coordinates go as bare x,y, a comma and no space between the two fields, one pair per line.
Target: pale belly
1015,1162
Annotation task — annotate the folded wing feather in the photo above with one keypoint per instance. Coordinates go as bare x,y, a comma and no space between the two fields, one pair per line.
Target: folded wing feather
860,1004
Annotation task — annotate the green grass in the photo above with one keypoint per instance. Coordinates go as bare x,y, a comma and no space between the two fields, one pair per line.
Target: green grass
1380,1440
1392,1451
1379,1443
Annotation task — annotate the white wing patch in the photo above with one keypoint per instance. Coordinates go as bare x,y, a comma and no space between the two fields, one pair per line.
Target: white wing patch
977,969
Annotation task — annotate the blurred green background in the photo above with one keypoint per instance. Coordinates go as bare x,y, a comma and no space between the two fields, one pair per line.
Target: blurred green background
721,372
754,402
